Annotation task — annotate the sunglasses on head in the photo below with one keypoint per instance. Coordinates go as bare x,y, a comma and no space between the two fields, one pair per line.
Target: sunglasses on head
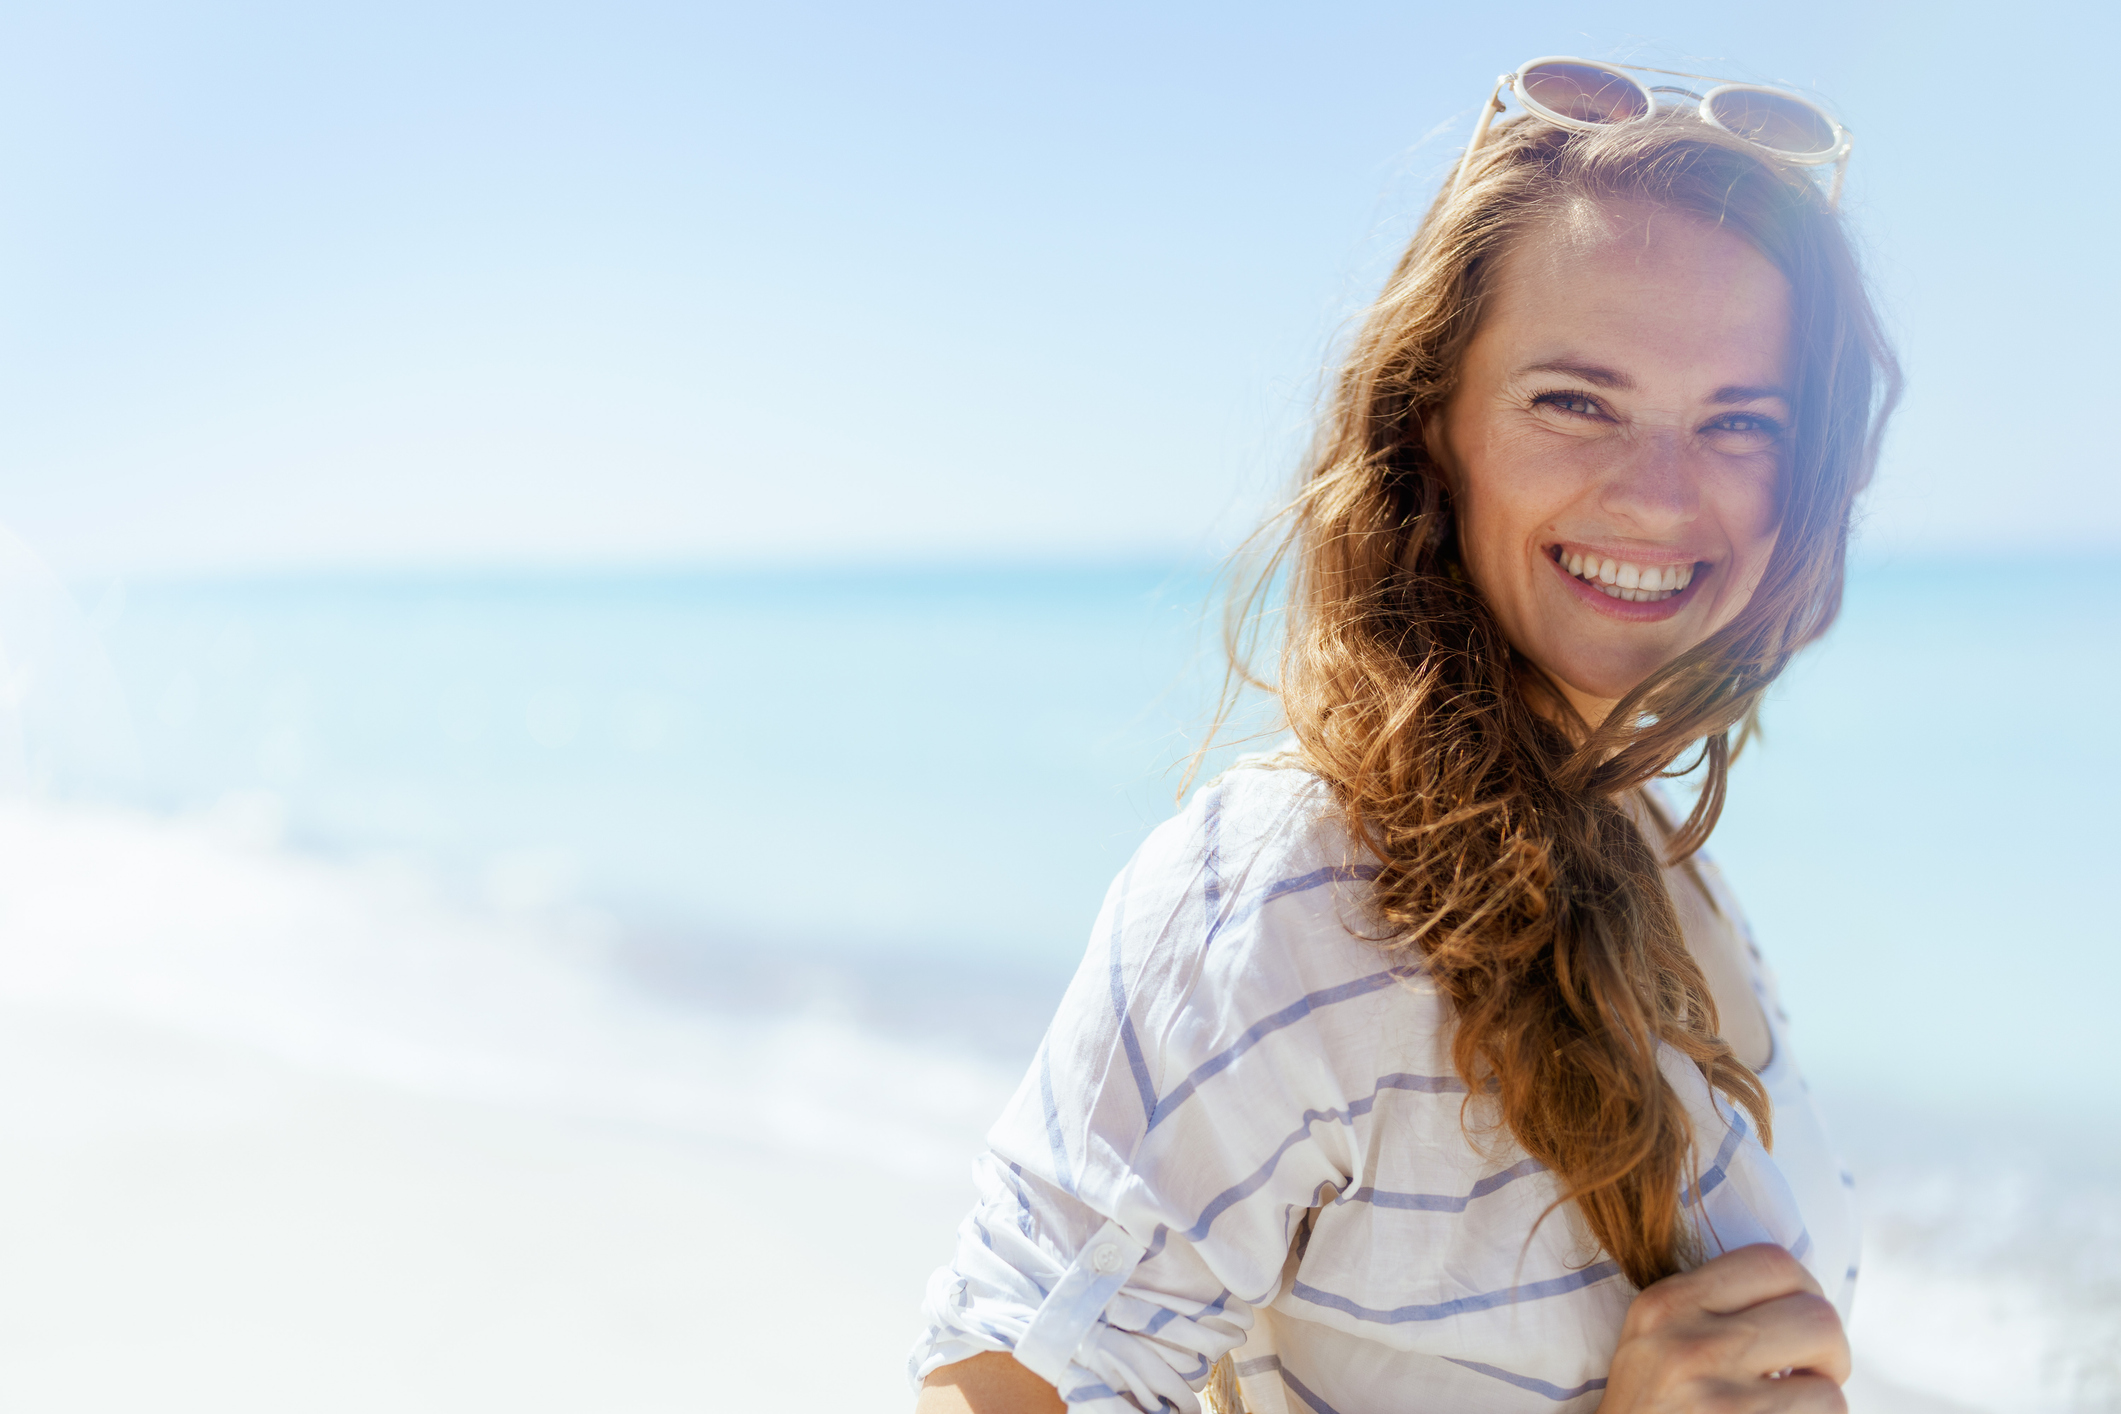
1583,94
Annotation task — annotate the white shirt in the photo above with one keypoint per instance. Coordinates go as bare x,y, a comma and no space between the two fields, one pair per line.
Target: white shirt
1231,1057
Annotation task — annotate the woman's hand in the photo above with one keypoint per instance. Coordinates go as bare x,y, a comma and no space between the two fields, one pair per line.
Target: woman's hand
1719,1338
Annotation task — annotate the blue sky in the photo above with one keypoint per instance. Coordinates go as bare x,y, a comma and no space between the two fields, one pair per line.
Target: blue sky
447,283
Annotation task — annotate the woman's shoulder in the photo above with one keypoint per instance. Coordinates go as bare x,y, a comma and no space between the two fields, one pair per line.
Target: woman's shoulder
1256,886
1235,984
1269,810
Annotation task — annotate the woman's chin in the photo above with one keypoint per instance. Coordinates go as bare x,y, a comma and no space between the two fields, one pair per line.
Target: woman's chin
1604,681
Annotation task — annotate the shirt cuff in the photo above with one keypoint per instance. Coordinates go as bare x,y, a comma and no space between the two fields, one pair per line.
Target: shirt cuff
1077,1302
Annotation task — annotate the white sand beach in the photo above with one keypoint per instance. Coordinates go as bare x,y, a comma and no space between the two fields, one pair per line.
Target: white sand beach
193,1226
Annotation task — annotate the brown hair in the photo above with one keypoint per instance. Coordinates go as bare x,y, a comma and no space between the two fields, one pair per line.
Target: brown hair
1510,863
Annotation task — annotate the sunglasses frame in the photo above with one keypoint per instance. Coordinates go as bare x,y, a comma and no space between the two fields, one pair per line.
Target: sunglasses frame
1704,107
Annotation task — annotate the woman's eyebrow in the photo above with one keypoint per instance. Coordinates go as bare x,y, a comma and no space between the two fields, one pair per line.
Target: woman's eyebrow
1591,373
1599,376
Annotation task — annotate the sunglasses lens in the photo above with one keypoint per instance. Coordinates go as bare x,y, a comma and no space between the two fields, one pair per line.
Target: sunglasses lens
1773,120
1583,92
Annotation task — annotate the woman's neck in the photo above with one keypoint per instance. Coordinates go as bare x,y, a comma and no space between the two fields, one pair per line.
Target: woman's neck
1593,710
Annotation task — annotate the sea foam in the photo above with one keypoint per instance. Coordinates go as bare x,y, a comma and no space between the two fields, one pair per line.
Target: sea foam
365,969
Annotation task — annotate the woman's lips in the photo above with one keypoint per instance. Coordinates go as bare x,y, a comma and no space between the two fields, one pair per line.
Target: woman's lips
1653,610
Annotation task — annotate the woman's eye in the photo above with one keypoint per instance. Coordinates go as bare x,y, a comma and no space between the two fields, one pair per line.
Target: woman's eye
1576,404
1747,424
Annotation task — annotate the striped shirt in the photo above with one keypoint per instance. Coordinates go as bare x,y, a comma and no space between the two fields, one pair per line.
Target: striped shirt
1243,1134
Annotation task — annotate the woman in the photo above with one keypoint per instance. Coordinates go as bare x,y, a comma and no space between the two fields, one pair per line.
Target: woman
1425,1063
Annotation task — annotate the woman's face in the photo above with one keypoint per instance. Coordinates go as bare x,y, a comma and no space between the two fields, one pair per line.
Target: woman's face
1614,441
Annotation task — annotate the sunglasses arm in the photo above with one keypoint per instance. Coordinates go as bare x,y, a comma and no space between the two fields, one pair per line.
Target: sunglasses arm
1841,169
1480,132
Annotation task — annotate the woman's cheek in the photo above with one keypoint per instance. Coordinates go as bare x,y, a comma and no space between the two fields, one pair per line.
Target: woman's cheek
1749,520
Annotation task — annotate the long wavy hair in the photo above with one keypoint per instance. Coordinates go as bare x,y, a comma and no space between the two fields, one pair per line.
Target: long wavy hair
1512,863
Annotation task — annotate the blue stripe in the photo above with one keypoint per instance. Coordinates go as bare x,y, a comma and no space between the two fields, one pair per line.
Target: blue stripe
1716,1171
1061,1171
1304,883
1304,1393
961,1303
1485,1301
1259,1030
1445,1202
1272,1364
1136,1061
994,1333
1553,1392
1229,1197
987,1240
1421,1084
1023,1199
1170,1313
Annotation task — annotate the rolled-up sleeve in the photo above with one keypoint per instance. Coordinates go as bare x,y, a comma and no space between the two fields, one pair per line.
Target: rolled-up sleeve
1081,1315
1141,1190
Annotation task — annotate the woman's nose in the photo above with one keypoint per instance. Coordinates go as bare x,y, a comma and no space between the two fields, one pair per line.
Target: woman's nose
1657,486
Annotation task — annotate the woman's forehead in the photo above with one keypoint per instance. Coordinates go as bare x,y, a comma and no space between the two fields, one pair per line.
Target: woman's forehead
1645,282
1637,241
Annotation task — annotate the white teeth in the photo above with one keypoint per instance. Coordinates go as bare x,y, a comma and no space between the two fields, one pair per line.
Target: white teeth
1636,584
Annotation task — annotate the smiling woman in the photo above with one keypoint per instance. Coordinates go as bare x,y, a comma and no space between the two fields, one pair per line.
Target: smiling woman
1614,439
1426,1059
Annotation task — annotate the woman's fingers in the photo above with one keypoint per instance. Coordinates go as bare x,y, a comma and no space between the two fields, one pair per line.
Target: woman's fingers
1750,1276
1732,1282
1800,1331
1721,1337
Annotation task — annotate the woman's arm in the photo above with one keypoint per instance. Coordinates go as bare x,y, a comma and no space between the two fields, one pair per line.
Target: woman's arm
1142,1182
988,1383
1748,1331
1718,1337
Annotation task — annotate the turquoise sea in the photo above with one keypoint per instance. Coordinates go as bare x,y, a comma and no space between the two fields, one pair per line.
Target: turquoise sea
944,768
899,795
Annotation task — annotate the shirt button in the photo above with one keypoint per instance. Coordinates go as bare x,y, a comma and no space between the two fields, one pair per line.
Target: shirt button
1105,1259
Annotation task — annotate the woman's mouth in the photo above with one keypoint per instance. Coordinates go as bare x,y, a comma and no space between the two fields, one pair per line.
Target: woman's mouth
1624,580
